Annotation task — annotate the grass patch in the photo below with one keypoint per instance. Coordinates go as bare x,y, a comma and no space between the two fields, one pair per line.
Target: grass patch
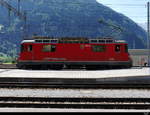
7,60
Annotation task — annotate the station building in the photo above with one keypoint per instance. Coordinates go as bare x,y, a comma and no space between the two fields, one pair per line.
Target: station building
140,56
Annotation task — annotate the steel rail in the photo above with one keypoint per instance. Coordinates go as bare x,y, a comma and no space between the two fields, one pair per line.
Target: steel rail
75,86
90,103
6,82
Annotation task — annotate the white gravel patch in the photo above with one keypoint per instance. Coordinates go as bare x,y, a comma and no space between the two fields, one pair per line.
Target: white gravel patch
95,93
74,73
71,110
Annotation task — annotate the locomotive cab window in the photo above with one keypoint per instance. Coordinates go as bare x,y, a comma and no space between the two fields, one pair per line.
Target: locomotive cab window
46,41
22,48
117,48
94,41
98,48
126,48
49,48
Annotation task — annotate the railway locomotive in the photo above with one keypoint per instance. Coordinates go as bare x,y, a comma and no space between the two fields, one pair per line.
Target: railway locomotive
59,53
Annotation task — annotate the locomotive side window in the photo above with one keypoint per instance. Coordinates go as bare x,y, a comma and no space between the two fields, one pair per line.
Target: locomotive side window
98,48
101,41
38,41
117,48
49,48
54,41
109,41
46,41
53,48
94,41
29,48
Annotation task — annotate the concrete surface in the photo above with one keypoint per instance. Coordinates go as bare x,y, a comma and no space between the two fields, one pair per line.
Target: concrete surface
74,73
78,93
70,110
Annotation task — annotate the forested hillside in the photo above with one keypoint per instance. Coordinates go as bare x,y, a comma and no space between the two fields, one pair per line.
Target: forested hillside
71,18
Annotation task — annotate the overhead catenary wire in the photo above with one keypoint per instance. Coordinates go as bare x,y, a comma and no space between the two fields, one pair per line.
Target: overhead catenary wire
93,4
21,15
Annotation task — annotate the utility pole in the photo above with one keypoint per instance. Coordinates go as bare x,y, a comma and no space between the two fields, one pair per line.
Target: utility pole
17,12
18,5
148,32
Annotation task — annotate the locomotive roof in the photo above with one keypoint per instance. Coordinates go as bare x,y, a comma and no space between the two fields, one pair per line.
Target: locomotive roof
72,40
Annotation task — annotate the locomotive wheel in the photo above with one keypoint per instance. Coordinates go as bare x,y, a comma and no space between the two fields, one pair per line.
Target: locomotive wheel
91,67
73,66
56,67
22,67
128,66
43,67
96,67
35,67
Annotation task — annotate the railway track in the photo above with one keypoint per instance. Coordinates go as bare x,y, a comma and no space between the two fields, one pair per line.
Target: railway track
78,103
133,82
105,83
73,86
13,66
8,66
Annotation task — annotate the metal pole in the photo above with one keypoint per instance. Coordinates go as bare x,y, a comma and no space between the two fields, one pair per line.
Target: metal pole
25,26
148,32
18,5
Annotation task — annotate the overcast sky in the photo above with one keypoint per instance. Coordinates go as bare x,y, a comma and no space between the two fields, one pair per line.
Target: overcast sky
134,9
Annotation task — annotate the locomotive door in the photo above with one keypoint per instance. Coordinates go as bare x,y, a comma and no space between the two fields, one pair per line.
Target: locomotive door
28,52
118,52
30,49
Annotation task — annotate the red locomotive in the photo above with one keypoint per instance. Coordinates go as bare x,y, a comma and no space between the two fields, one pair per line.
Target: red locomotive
57,53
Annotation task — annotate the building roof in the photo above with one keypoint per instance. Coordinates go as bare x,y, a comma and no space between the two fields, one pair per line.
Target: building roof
38,39
139,51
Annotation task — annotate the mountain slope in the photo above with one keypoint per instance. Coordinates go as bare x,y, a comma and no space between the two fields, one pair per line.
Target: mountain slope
72,18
